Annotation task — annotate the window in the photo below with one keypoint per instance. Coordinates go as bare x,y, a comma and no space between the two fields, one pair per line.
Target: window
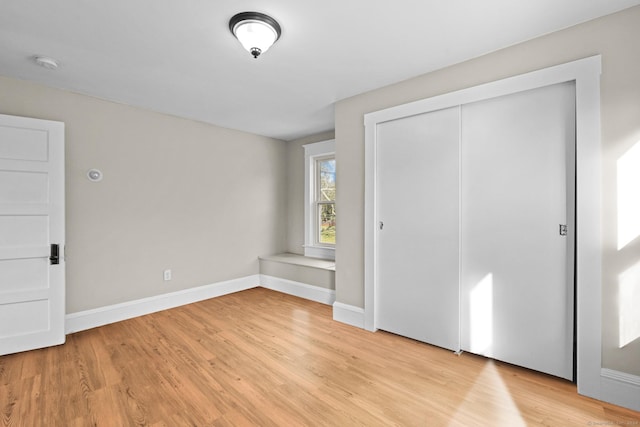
320,200
325,200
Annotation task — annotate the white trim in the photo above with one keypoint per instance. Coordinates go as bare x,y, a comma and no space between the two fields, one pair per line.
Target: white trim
321,148
588,252
621,388
570,71
349,314
298,289
370,222
311,153
586,73
83,320
320,252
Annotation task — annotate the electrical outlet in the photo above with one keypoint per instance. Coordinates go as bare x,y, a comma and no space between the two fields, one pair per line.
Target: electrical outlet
167,275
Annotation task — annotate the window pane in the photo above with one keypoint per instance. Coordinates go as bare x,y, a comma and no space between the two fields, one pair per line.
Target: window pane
327,216
327,181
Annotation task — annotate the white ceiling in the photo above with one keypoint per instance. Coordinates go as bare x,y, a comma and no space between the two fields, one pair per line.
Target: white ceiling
178,56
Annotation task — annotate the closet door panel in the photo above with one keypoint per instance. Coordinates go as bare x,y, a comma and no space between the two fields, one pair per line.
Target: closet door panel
418,246
516,189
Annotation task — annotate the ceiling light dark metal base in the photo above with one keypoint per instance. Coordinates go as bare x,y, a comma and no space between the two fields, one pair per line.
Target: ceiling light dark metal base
255,16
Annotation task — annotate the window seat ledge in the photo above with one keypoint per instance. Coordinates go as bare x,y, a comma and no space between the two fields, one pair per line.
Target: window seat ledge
295,259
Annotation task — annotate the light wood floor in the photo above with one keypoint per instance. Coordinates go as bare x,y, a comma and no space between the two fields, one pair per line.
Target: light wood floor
259,357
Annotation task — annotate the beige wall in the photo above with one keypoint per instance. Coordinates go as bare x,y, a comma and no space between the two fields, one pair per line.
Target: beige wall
199,199
615,38
295,190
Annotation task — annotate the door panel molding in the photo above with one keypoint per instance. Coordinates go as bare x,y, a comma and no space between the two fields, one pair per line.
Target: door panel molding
32,215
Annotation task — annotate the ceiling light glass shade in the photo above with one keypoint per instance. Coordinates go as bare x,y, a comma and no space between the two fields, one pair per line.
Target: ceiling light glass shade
256,31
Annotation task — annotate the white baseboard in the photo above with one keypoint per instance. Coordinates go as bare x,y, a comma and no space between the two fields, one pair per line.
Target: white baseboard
88,319
349,314
620,388
298,289
83,320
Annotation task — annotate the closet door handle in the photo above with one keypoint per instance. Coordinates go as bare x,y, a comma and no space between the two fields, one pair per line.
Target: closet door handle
55,254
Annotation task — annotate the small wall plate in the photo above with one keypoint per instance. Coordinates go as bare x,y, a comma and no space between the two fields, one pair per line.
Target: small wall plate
46,62
94,175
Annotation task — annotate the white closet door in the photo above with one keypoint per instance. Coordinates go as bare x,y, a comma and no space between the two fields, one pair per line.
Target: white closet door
517,188
417,204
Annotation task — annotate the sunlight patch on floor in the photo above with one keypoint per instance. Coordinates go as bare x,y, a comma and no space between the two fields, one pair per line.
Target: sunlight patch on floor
491,394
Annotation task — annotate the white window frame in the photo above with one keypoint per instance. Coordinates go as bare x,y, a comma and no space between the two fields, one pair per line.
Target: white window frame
312,153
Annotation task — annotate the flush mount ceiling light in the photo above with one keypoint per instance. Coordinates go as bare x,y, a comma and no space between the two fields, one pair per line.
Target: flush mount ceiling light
256,31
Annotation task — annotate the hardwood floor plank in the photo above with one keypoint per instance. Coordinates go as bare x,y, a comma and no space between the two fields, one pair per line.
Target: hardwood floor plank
262,358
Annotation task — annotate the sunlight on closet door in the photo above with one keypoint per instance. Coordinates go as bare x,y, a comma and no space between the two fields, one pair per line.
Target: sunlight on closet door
481,315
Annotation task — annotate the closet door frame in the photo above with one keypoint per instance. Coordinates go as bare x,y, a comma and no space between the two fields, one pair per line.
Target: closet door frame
586,75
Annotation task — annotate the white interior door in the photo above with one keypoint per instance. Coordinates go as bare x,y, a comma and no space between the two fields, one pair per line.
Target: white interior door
417,205
517,188
32,287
